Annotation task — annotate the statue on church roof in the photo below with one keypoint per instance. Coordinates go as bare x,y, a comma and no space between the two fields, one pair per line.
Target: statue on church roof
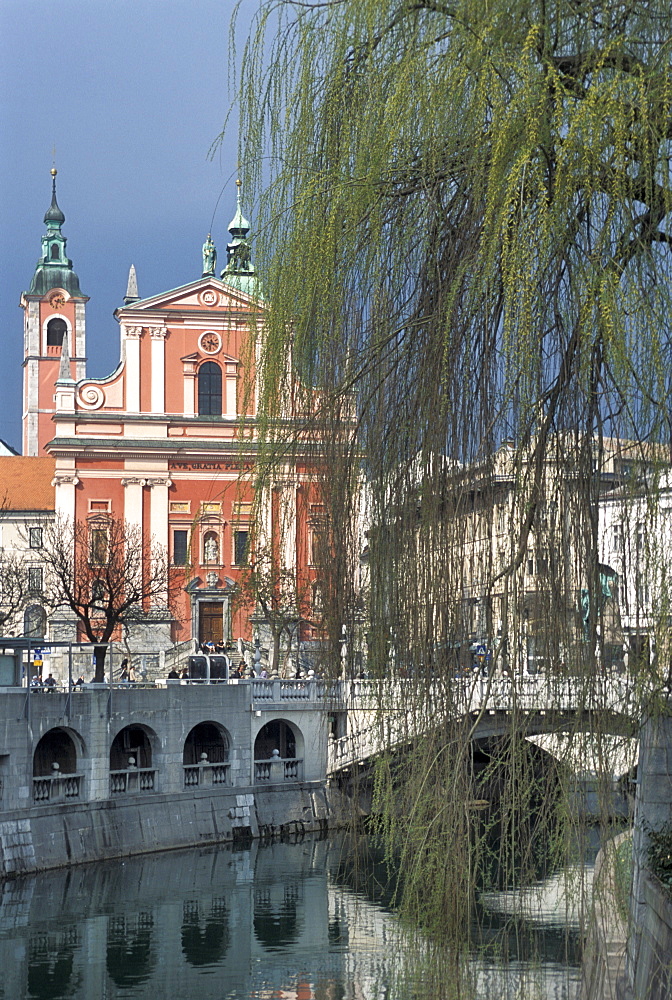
209,257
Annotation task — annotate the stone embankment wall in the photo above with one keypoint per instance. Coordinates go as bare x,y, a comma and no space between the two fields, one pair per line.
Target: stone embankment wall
50,837
603,968
649,956
158,792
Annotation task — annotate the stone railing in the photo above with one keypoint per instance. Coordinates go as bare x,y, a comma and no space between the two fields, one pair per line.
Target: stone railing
132,779
57,787
278,770
277,689
205,775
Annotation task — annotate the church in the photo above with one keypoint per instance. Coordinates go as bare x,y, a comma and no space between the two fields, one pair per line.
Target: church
166,442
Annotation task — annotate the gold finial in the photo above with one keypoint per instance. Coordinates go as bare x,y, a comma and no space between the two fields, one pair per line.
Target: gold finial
239,183
53,171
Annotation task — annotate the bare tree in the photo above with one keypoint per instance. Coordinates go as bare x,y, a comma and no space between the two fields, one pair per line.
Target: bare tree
14,590
14,580
265,587
104,571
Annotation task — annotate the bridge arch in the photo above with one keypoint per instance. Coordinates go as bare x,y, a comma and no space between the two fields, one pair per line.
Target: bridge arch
209,738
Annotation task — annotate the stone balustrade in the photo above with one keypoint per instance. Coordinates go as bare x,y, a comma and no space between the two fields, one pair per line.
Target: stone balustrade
277,770
56,787
205,775
132,779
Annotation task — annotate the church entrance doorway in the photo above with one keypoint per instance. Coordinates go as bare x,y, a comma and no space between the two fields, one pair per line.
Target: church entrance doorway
210,621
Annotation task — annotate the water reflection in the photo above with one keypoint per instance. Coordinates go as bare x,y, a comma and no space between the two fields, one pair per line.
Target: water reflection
130,957
268,922
51,964
205,939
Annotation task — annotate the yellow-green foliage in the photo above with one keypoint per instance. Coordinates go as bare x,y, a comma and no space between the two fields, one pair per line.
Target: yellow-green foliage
463,232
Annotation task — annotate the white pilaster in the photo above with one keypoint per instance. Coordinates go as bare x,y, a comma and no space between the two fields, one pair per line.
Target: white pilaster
64,500
158,362
133,500
189,375
80,340
288,527
158,510
158,520
230,401
132,373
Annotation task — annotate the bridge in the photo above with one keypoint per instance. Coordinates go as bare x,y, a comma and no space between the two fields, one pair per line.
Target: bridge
386,715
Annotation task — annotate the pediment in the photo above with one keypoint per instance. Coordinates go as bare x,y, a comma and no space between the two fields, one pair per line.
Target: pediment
207,295
196,358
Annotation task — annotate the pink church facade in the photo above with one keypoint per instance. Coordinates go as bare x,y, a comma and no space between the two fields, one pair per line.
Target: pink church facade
158,442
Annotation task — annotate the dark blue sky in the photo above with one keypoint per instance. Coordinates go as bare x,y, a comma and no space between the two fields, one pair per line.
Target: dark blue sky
132,93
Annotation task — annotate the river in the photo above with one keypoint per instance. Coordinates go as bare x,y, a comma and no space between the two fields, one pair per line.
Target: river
267,921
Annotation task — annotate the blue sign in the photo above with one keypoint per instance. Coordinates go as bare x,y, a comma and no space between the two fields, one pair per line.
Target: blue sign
481,651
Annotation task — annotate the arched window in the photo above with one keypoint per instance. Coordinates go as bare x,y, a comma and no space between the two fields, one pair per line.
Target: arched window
207,738
35,622
55,253
210,390
56,330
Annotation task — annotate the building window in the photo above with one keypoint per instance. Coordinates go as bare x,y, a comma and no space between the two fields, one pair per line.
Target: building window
98,553
35,622
180,547
56,330
617,538
98,593
316,541
211,547
210,390
240,546
55,255
35,538
34,579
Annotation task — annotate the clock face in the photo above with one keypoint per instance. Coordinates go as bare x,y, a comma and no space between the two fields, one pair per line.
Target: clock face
57,301
210,343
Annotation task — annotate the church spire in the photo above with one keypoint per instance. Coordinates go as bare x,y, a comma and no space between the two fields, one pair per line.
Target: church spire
54,270
239,270
53,217
132,287
64,366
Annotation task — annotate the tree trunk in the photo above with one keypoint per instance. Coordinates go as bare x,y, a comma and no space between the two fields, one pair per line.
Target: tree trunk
99,654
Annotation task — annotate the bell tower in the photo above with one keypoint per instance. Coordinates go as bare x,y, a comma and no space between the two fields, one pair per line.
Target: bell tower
54,330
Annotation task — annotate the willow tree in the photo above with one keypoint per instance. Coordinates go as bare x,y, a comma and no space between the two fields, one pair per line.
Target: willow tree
464,216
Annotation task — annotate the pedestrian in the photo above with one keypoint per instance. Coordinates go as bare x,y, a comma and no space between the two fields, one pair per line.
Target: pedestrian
124,671
132,676
50,684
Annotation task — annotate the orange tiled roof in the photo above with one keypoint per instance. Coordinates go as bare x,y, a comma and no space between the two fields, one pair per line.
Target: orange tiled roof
25,482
